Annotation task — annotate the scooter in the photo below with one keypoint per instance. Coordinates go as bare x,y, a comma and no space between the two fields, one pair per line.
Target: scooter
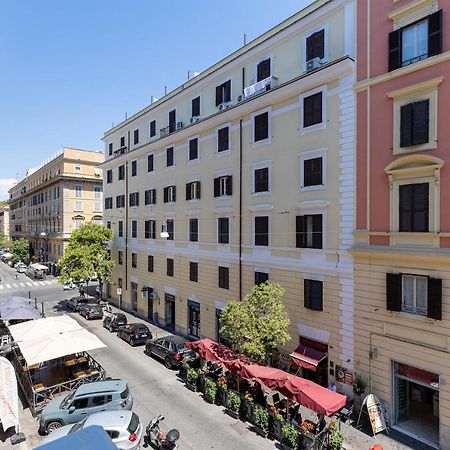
157,438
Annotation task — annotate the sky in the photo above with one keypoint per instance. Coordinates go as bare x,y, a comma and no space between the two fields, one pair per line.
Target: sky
73,68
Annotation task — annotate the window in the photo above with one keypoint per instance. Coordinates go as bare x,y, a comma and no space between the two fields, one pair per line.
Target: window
150,229
169,267
416,41
223,139
261,127
223,186
414,207
108,203
170,194
150,163
98,400
414,123
309,231
315,45
120,201
416,294
261,230
77,168
134,260
121,172
110,149
120,228
261,277
97,208
78,191
223,93
193,230
152,130
263,70
169,157
150,263
224,275
172,120
78,206
97,191
136,137
193,190
150,196
193,149
120,257
312,110
261,180
195,107
170,226
134,199
193,271
80,403
223,230
194,318
122,141
109,177
133,168
313,295
312,172
134,228
108,225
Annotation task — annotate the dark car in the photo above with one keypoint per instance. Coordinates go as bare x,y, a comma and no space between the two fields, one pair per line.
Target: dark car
92,311
114,321
171,349
135,333
75,303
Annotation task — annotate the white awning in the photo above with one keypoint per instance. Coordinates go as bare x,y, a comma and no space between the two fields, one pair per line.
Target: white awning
53,337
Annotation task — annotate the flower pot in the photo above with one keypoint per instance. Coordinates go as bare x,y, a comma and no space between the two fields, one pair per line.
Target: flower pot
233,414
306,441
201,383
275,428
208,398
182,373
260,431
221,398
191,387
247,410
287,447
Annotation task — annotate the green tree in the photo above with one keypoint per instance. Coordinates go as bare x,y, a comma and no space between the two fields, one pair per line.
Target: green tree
87,252
20,250
4,241
255,325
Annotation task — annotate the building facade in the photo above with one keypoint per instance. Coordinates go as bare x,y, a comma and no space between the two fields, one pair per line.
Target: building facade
248,170
4,220
56,199
401,255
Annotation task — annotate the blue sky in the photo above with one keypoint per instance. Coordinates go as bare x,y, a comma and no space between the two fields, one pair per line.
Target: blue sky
70,68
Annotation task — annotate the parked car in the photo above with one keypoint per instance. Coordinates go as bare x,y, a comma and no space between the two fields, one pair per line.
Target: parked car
75,303
87,399
123,427
90,311
21,268
113,321
135,333
171,349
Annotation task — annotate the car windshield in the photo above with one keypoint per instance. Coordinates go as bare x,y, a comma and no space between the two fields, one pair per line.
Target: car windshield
77,426
67,400
134,423
181,347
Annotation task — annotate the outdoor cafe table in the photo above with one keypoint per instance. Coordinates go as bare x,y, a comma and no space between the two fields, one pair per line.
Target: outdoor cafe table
75,361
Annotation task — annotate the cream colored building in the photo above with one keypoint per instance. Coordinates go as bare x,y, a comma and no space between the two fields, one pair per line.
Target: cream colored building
54,200
4,220
249,167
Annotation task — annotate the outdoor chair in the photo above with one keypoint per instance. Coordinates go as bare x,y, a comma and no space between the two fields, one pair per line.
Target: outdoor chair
346,413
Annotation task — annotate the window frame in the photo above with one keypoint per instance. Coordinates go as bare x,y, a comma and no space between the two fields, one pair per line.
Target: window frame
151,157
136,136
172,148
309,155
193,235
269,230
323,26
259,166
317,126
197,158
268,139
134,229
227,80
193,274
134,169
308,287
224,277
150,263
228,150
170,267
150,135
220,235
134,259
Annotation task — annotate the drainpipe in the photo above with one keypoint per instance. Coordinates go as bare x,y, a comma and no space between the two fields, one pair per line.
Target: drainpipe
240,209
126,217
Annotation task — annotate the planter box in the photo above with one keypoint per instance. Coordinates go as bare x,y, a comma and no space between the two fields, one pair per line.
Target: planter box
201,383
233,414
306,442
208,398
247,410
275,428
182,373
287,447
260,431
191,387
222,394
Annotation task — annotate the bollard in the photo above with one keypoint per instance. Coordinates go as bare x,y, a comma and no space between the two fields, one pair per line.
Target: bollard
35,302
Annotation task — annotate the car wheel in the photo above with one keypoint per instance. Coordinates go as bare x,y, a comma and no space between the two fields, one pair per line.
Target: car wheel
132,342
52,426
168,362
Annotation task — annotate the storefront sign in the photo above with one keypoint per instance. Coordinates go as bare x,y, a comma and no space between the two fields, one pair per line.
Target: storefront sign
376,414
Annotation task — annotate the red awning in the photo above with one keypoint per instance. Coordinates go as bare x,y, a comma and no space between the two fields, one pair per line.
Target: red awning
307,357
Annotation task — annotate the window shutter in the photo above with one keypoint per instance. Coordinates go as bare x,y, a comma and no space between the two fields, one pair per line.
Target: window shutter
227,91
166,194
216,187
300,234
420,122
405,207
393,292
316,300
229,185
435,33
406,123
174,198
395,53
154,196
434,307
259,72
309,47
198,189
319,44
317,101
306,294
137,198
420,207
317,231
188,191
218,95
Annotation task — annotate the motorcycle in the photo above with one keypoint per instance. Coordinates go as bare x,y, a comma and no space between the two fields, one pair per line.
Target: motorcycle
159,439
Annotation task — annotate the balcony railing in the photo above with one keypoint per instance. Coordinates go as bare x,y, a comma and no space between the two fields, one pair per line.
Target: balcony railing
260,86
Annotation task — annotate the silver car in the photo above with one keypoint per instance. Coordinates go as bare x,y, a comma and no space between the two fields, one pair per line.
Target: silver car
123,427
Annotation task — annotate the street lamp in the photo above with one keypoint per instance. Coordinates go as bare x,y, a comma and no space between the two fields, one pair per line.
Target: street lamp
164,233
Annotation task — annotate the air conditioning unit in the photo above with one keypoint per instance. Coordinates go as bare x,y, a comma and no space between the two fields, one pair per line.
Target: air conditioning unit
312,64
195,119
179,125
224,106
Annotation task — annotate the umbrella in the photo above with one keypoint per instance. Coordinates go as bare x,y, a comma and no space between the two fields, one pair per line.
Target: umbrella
8,300
19,312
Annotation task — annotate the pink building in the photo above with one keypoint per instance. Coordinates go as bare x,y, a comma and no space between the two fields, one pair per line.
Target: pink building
402,250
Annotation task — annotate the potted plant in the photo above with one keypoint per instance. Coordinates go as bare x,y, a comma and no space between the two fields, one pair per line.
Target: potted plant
233,404
261,420
191,379
247,406
335,440
276,422
359,387
291,435
182,373
222,390
201,379
210,390
308,429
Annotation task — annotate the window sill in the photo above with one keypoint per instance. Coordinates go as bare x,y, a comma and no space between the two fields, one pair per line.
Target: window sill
262,142
415,317
316,187
261,194
191,162
223,197
223,153
312,128
415,148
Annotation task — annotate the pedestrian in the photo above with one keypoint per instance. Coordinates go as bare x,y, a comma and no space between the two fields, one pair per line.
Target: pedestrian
16,275
332,386
321,424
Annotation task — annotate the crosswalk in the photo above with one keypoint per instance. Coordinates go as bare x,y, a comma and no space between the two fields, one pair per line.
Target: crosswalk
27,284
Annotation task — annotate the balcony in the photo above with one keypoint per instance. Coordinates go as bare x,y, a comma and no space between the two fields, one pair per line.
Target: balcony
259,87
163,132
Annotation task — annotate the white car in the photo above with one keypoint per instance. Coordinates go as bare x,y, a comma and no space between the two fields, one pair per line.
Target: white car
21,268
123,427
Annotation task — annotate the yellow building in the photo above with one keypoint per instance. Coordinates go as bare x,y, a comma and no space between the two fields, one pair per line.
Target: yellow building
55,199
248,168
4,220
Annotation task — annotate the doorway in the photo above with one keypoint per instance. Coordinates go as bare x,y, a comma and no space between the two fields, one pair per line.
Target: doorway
134,296
170,310
150,304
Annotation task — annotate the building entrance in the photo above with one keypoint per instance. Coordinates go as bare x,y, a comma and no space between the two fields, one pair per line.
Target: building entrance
170,310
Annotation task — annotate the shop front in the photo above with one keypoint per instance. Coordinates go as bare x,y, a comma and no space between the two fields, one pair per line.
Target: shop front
194,318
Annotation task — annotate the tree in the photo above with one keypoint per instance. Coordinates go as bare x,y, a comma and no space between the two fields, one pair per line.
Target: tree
87,252
255,325
4,241
20,250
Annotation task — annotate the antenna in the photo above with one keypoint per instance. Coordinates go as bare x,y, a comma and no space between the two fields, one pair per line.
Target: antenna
165,90
126,116
245,38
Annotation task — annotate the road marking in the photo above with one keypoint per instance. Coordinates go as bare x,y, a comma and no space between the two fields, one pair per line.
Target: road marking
7,286
2,287
42,283
29,283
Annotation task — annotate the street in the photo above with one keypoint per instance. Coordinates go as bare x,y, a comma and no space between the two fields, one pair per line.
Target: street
155,389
